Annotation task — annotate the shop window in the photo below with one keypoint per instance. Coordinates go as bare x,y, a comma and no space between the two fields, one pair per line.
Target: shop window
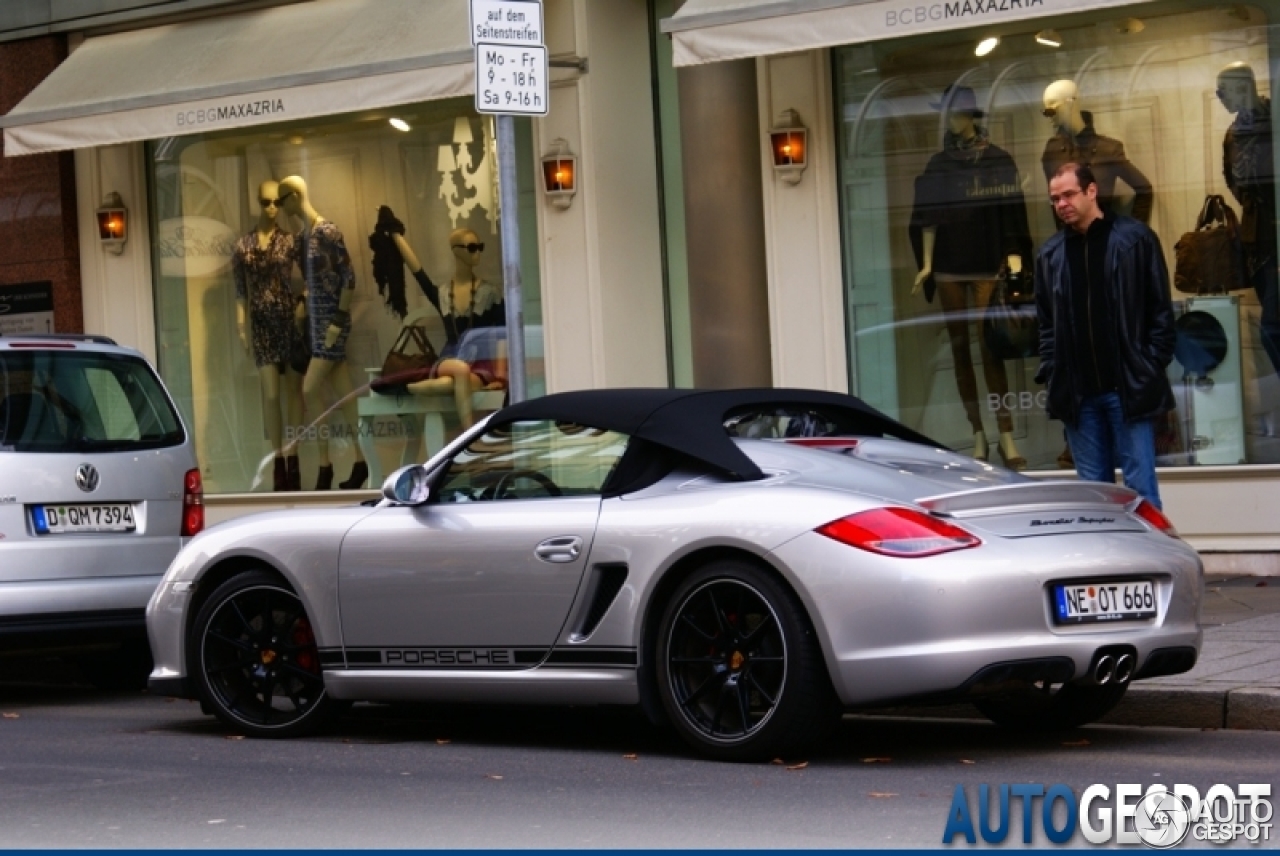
1153,90
288,260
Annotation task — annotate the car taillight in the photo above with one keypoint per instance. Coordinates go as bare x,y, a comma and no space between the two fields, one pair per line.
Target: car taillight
192,503
1156,518
898,532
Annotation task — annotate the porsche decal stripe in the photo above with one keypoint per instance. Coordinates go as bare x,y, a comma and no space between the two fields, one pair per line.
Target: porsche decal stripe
478,658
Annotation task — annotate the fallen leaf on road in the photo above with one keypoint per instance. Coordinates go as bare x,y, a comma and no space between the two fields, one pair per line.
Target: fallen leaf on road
881,794
799,766
876,760
235,737
440,741
170,700
777,761
10,715
1075,743
493,776
967,761
630,756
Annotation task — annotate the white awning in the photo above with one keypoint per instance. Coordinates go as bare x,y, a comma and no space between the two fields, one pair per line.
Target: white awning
705,31
271,65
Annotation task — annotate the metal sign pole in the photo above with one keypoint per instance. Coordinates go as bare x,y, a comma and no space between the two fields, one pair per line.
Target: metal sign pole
509,222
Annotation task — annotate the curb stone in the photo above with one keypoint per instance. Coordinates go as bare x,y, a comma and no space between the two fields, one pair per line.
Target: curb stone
1256,708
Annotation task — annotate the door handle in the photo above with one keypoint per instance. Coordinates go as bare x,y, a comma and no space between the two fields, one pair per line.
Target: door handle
560,549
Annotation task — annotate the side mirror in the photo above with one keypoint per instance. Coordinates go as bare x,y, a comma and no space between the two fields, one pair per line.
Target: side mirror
408,485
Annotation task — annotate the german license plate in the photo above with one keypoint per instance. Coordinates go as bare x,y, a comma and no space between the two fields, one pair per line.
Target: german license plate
1120,600
63,519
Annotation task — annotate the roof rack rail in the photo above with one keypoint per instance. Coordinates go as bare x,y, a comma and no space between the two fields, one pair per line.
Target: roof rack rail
93,338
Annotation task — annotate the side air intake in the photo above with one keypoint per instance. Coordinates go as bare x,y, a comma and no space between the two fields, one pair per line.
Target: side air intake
602,587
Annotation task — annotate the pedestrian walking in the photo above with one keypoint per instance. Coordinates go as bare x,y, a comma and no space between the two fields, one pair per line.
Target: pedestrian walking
1106,333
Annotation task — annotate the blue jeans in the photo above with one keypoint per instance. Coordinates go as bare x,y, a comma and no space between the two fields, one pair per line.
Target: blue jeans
1103,442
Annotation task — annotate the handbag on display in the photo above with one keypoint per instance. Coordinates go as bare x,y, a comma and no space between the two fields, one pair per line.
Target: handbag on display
300,350
1009,324
410,359
1210,260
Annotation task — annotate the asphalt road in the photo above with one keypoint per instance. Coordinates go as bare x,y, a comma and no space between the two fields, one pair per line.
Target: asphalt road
81,768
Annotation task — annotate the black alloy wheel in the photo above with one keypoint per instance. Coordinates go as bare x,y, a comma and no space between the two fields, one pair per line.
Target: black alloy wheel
739,668
255,658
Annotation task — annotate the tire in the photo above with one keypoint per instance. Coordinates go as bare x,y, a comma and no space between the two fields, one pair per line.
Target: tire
254,661
1070,707
739,669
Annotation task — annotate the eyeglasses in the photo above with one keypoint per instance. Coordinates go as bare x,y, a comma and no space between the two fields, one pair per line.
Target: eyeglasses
471,248
285,196
269,202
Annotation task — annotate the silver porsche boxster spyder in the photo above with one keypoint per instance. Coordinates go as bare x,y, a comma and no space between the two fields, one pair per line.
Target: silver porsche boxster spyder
743,564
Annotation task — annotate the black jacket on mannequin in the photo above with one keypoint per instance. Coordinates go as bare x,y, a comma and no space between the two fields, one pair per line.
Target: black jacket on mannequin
1249,168
971,196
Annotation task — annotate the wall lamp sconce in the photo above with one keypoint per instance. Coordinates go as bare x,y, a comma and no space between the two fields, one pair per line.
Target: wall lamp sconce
789,140
113,223
560,174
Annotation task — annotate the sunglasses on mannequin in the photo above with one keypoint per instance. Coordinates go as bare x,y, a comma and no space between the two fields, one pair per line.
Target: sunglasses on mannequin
265,203
285,196
471,248
1048,112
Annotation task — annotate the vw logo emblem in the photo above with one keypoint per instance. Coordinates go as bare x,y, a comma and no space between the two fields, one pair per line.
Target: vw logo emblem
87,478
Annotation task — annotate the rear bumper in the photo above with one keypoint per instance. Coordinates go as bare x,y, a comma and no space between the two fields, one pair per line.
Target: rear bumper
70,613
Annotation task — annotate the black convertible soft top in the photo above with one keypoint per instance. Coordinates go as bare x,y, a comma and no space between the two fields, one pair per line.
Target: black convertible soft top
692,421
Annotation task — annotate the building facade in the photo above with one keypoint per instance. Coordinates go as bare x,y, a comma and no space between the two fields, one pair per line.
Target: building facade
693,252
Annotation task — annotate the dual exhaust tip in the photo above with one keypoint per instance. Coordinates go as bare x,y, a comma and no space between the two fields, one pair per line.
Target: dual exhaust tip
1112,669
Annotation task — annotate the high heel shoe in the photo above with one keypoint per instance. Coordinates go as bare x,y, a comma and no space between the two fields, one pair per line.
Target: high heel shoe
293,473
324,478
279,478
359,473
1017,463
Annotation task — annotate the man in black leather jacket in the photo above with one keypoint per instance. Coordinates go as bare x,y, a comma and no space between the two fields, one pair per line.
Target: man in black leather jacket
1106,333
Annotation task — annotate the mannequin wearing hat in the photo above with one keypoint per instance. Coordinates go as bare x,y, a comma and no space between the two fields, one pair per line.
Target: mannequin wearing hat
1249,169
969,227
1075,141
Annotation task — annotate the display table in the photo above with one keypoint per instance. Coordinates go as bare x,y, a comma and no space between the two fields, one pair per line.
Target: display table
427,411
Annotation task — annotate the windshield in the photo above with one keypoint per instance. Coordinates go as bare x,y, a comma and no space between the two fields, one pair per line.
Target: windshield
81,401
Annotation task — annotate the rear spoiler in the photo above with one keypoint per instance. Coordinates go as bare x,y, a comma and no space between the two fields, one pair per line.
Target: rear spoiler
1038,494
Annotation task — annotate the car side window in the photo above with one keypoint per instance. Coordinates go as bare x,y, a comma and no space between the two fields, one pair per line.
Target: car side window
532,460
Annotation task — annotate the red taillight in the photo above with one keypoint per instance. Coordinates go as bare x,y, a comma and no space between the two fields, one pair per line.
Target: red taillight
1155,517
898,532
192,503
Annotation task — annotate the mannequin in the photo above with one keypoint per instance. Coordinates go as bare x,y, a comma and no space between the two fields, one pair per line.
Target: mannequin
1075,141
466,303
1248,167
262,265
969,228
330,282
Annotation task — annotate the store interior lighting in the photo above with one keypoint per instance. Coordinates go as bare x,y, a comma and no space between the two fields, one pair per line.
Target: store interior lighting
399,124
986,46
1049,38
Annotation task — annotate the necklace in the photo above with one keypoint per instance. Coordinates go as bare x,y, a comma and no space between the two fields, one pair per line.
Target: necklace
471,302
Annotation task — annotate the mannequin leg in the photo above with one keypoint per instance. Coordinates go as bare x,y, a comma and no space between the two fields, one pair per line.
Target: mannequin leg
292,394
340,380
453,376
269,380
955,305
993,371
313,388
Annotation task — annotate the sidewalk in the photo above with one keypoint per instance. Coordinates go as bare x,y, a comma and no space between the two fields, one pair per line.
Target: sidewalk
1236,682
